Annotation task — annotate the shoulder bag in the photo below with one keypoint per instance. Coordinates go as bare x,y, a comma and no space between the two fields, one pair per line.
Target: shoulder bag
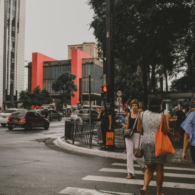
138,152
163,144
129,132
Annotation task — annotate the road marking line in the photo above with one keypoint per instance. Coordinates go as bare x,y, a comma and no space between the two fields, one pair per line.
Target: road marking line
140,173
138,182
82,191
167,168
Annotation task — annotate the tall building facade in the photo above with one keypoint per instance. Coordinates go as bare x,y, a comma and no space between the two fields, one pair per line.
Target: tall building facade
12,39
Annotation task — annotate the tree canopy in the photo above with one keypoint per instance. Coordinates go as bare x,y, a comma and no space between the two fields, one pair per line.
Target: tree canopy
150,35
37,98
64,84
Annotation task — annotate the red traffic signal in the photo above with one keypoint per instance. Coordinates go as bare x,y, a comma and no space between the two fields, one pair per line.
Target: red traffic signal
104,88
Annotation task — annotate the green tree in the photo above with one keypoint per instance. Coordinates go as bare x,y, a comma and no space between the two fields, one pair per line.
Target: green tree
65,85
37,98
148,34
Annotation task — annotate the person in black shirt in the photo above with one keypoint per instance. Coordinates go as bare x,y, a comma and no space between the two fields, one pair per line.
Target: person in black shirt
105,123
180,118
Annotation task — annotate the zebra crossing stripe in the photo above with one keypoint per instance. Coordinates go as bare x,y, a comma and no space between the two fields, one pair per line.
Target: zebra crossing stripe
82,191
138,182
140,173
167,168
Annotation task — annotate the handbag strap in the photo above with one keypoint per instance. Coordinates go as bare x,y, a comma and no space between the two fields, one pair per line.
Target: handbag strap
142,115
161,123
135,120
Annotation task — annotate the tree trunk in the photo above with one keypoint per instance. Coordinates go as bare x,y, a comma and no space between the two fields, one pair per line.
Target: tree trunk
166,79
145,81
153,80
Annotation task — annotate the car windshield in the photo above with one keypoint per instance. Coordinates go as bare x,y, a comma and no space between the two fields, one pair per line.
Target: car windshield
10,111
18,114
76,112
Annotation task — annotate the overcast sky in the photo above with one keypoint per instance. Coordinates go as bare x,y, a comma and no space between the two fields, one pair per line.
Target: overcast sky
51,25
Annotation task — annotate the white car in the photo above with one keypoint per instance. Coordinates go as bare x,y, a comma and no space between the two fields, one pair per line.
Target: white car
74,114
4,116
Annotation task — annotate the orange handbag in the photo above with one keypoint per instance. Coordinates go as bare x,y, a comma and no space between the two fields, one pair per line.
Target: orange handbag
163,144
110,138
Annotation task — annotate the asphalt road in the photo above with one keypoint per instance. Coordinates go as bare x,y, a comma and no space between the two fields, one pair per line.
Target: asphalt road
29,167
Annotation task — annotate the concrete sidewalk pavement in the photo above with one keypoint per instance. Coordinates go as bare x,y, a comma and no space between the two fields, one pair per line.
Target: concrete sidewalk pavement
116,153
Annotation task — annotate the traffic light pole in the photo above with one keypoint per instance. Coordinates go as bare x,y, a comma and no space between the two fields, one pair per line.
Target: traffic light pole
110,55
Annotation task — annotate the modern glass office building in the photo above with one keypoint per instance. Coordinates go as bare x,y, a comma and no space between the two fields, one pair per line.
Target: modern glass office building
44,70
12,35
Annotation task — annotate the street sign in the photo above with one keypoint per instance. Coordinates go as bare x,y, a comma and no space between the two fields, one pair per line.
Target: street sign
119,99
119,93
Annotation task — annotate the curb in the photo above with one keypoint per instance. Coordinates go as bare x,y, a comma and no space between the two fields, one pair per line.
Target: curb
66,146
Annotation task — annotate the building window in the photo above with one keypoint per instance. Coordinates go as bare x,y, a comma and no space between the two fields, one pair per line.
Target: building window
80,48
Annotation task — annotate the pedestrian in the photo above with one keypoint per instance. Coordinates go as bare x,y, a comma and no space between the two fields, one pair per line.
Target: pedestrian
150,121
133,141
181,116
125,119
190,110
105,123
142,108
189,127
124,122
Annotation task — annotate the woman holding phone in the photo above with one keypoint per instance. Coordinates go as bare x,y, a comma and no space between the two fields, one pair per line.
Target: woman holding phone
106,123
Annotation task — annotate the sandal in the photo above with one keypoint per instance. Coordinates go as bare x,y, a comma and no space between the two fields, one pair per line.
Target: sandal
130,177
143,191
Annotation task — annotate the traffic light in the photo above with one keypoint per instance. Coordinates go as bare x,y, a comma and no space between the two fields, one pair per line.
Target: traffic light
104,93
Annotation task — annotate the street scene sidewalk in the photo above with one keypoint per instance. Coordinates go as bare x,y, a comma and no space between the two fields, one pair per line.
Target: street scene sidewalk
118,152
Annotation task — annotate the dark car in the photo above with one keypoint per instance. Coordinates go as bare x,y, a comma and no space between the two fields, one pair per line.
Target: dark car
27,120
50,114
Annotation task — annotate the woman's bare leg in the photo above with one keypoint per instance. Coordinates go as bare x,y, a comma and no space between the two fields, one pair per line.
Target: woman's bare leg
148,175
159,177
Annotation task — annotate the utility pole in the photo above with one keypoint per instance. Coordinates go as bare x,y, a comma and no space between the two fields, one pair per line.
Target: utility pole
110,56
5,52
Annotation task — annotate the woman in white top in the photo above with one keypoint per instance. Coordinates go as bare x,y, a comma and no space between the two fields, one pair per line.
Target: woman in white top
133,141
151,120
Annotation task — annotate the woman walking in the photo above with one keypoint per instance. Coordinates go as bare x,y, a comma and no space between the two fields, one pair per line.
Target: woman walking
105,123
151,120
133,141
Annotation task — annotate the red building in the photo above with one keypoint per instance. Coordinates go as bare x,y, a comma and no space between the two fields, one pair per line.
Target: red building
44,70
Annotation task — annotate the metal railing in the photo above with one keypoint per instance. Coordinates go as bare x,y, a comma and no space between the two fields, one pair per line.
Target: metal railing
82,132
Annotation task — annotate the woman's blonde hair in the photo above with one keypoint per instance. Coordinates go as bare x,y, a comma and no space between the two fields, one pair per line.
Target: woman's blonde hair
135,101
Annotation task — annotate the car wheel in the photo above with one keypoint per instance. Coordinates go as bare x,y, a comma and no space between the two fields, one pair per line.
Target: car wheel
3,125
60,118
10,127
28,127
46,127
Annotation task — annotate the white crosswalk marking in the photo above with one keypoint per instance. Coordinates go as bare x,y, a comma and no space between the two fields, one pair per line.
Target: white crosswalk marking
179,173
82,191
138,182
140,173
166,168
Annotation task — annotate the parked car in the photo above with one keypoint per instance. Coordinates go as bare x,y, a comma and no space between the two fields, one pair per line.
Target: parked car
94,107
50,114
27,120
84,114
4,116
74,114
